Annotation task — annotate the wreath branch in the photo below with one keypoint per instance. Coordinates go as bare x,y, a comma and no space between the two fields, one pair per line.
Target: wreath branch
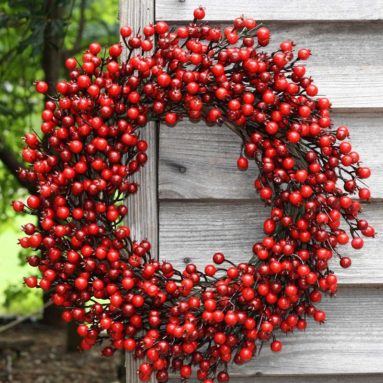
107,281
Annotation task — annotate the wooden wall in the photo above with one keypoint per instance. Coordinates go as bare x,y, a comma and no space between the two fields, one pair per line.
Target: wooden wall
206,205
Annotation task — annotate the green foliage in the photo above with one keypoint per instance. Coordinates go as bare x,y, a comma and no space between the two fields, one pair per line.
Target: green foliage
12,271
21,300
26,27
22,26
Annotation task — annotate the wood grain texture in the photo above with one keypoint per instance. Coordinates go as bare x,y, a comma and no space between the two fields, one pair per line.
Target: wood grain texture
339,347
143,209
345,61
197,161
176,10
370,378
193,231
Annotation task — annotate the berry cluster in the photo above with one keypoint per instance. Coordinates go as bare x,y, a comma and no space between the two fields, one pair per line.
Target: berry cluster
90,146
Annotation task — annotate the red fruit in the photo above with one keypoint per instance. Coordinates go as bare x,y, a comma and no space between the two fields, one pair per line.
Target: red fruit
276,346
218,70
263,34
70,63
82,330
312,90
18,206
31,281
171,118
107,351
33,202
125,31
75,146
210,270
320,316
299,70
242,163
304,54
94,48
245,354
363,172
272,128
345,262
149,30
268,97
269,226
218,258
357,243
287,46
185,372
83,81
364,194
31,140
62,87
129,344
231,318
161,27
81,283
115,50
41,86
164,80
83,168
129,139
199,13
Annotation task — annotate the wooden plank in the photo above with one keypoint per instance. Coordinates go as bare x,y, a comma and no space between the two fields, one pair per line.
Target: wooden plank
350,342
175,10
345,60
343,64
197,161
193,231
143,209
365,378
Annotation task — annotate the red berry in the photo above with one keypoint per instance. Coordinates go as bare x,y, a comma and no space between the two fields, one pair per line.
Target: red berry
115,50
18,206
242,163
345,262
83,169
263,34
304,54
245,354
95,48
171,118
31,281
276,346
199,13
41,87
161,27
81,283
357,243
320,316
70,63
185,372
33,202
125,31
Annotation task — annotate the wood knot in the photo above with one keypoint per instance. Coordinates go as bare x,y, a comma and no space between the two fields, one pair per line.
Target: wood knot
182,169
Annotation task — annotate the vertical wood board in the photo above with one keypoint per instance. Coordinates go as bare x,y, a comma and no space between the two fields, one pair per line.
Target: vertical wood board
143,210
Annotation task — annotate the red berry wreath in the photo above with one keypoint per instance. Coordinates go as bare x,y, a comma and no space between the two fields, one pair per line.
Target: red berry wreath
82,166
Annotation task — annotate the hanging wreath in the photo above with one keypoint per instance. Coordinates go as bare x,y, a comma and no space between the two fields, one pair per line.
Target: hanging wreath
83,164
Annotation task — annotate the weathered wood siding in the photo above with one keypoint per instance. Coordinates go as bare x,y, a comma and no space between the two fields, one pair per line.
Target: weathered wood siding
205,205
143,208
